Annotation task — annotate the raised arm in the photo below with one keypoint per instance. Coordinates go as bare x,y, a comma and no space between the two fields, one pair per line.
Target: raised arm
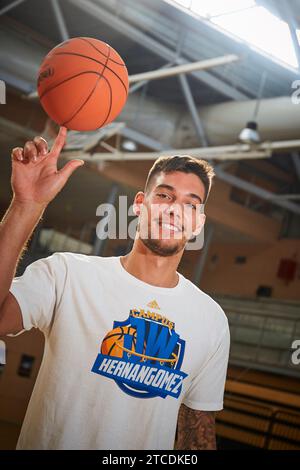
35,182
195,430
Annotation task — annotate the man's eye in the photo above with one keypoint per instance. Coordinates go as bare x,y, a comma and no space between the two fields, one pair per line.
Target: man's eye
163,195
193,206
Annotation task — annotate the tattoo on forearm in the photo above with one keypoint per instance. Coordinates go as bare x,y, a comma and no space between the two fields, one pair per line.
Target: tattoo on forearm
195,430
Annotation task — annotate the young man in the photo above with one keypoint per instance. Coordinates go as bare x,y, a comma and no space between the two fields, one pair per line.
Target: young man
132,348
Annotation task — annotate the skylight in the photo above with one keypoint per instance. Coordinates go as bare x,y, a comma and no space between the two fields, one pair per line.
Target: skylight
249,22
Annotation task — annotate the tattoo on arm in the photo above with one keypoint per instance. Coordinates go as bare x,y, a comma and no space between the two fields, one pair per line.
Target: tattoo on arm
195,430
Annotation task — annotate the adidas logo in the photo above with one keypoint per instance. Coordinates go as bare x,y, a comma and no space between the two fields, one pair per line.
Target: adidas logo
153,304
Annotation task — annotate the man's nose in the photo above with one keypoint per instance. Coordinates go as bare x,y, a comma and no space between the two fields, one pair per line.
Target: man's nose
175,209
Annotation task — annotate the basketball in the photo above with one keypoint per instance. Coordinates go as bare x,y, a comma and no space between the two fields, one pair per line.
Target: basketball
83,84
112,345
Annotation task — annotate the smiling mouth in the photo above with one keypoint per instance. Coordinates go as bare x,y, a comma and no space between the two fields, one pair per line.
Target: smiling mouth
171,227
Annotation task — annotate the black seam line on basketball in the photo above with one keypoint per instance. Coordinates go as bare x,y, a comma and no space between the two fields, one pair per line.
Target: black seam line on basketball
110,100
111,336
120,334
100,52
110,349
110,103
83,104
91,93
66,80
95,60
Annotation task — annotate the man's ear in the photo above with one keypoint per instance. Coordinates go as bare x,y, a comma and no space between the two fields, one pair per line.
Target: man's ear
138,202
202,218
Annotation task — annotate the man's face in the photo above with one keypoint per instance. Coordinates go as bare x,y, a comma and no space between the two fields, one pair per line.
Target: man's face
171,212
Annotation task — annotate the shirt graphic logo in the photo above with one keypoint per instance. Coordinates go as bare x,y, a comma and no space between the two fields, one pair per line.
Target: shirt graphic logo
143,355
153,304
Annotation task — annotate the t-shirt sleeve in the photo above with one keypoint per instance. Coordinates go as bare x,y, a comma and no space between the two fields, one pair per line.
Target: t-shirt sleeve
36,292
206,391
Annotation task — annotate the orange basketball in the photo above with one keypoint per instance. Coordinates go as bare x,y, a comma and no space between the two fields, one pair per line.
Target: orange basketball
83,84
113,343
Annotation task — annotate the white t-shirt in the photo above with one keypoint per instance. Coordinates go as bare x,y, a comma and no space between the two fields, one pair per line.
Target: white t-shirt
121,389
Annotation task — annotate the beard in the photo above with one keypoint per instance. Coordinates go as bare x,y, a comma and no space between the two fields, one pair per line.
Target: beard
158,246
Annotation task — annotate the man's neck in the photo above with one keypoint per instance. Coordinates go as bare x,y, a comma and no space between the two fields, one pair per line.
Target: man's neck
160,271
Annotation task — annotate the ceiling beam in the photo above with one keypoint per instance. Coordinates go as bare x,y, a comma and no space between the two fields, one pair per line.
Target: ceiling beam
9,7
257,191
193,109
60,20
224,152
220,173
232,153
184,68
154,46
296,160
141,84
142,139
140,79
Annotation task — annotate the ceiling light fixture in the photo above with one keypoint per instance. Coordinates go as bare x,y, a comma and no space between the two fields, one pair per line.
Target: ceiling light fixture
129,145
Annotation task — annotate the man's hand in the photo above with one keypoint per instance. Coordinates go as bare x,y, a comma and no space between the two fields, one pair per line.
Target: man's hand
35,179
196,430
35,182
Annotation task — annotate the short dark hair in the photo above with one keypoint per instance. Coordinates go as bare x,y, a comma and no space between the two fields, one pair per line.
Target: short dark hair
186,164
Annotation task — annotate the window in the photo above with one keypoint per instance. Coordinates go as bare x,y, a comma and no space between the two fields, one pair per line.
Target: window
254,24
